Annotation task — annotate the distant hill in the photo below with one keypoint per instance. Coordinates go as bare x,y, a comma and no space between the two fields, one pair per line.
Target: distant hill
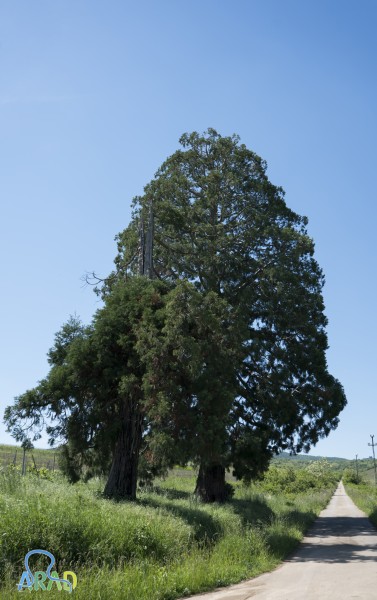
307,457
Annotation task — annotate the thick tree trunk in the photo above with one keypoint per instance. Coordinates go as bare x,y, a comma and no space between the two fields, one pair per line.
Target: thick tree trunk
211,485
122,480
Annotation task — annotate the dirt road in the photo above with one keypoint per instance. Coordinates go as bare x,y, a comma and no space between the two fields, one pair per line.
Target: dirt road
337,560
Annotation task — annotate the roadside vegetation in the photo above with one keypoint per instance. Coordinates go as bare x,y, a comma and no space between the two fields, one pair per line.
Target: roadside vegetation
363,492
165,545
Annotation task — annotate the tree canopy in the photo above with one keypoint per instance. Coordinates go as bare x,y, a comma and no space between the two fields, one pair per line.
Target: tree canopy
220,224
91,401
220,357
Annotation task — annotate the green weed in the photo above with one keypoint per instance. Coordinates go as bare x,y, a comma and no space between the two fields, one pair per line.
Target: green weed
166,545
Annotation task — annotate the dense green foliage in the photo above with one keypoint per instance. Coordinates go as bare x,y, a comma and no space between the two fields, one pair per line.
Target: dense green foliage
289,480
219,359
221,225
92,396
164,546
350,476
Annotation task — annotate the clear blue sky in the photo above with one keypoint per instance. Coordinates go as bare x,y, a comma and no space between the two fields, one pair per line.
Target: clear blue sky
94,96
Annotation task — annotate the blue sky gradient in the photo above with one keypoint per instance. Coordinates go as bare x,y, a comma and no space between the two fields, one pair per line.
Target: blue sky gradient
95,95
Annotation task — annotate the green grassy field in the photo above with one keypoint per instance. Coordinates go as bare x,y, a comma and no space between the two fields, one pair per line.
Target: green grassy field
165,545
12,455
364,496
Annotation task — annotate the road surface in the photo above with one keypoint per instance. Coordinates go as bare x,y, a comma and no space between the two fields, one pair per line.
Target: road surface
337,560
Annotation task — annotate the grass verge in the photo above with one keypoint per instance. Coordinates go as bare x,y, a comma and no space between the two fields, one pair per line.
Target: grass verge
164,546
364,496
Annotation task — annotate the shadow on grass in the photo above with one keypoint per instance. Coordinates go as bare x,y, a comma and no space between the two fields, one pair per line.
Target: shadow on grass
373,517
281,545
170,493
159,491
207,529
299,518
252,512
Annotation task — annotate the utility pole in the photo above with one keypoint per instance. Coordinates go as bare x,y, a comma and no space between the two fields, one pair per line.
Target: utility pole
148,254
357,468
374,459
146,246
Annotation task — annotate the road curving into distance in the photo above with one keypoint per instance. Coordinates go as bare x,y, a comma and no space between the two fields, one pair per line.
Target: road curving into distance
337,560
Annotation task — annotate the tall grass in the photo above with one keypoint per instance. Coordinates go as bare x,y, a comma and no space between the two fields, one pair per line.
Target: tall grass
166,545
364,496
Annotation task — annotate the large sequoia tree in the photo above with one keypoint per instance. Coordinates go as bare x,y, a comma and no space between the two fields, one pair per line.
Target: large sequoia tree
222,226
